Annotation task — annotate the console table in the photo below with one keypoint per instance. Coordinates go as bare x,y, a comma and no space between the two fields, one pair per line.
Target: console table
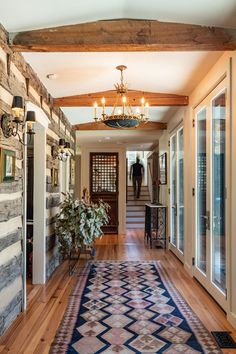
156,224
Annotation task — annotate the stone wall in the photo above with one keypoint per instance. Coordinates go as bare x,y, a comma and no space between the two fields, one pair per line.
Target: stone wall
18,78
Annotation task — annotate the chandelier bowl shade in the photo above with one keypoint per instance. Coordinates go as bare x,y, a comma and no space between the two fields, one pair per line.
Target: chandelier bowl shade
125,122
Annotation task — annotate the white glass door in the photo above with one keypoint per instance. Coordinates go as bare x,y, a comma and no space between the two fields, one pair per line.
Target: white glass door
211,183
177,193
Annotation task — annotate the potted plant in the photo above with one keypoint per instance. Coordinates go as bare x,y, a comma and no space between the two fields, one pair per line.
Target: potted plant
79,223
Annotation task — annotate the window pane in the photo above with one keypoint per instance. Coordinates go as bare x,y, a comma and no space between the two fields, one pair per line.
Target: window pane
173,190
181,190
201,191
218,191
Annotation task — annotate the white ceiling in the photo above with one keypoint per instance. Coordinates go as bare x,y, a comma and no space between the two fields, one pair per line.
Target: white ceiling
18,15
77,73
131,140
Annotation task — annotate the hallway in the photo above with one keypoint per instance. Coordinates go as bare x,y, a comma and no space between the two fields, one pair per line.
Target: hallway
34,330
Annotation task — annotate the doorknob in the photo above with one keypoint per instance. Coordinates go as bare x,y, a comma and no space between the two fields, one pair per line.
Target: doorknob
208,220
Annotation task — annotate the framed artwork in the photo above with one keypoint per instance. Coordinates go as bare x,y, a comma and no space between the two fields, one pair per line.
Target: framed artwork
163,168
72,172
7,165
55,177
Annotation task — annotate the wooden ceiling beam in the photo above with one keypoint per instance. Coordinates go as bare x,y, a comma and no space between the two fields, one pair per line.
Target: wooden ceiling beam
101,126
125,35
154,99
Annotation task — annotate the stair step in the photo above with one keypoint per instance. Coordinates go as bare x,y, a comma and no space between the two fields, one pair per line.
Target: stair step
137,202
135,213
135,208
135,226
144,187
135,219
145,191
141,199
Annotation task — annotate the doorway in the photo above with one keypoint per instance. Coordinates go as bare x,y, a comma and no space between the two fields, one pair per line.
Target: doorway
29,208
211,174
131,159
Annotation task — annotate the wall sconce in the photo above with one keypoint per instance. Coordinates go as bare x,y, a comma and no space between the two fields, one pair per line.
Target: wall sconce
10,123
62,151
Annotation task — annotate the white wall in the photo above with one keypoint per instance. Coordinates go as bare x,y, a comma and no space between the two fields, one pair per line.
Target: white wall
221,69
85,178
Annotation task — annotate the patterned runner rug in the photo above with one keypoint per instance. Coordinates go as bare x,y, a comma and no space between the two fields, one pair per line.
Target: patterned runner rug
130,307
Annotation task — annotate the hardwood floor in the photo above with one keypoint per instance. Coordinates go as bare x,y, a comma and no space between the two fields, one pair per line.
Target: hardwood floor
34,330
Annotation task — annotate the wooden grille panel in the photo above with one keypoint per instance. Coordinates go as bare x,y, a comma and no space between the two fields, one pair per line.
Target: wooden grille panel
104,184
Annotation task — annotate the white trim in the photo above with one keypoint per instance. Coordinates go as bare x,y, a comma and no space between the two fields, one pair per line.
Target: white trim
175,248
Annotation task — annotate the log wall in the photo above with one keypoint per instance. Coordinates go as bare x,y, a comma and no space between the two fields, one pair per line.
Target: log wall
18,78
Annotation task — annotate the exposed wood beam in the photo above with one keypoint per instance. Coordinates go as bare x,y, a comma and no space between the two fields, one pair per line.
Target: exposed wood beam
125,35
101,126
154,99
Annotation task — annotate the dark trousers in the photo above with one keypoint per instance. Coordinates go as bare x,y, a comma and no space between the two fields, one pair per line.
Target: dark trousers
137,182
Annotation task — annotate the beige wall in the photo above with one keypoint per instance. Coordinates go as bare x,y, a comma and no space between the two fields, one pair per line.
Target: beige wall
85,174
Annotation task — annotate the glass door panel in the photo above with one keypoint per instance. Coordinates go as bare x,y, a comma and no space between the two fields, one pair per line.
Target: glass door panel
218,192
173,147
201,193
180,190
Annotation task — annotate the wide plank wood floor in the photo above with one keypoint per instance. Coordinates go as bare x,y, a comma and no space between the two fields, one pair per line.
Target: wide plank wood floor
34,330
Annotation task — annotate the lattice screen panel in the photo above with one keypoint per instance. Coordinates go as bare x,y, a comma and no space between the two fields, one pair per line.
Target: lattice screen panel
104,172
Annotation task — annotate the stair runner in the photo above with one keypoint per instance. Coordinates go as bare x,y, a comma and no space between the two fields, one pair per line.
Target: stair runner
135,208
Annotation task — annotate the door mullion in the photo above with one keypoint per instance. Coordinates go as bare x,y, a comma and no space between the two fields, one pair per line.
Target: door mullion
209,192
177,189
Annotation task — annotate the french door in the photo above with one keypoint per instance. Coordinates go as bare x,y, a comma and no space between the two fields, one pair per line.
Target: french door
210,193
177,193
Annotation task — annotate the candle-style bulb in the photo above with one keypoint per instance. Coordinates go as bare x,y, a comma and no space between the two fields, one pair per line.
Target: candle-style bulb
95,105
146,109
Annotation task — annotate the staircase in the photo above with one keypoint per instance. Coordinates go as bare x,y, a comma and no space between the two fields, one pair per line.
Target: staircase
135,208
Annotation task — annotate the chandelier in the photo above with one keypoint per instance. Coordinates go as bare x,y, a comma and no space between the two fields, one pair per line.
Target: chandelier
122,115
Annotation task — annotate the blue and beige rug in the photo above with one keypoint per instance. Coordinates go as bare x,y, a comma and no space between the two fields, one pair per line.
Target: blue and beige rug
130,307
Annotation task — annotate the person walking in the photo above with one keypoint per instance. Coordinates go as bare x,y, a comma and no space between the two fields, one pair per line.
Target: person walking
136,173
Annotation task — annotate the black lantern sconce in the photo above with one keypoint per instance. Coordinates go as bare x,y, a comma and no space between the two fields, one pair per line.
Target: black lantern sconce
10,123
62,151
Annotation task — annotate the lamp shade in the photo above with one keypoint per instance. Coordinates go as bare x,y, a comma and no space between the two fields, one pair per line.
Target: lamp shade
62,142
67,145
30,117
122,123
17,103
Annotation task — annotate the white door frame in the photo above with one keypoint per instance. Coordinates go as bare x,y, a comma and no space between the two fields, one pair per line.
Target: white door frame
175,248
206,280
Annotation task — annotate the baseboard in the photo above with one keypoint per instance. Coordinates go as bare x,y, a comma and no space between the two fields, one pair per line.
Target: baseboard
231,317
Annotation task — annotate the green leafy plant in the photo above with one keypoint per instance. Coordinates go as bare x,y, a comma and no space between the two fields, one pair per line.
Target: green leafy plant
79,223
